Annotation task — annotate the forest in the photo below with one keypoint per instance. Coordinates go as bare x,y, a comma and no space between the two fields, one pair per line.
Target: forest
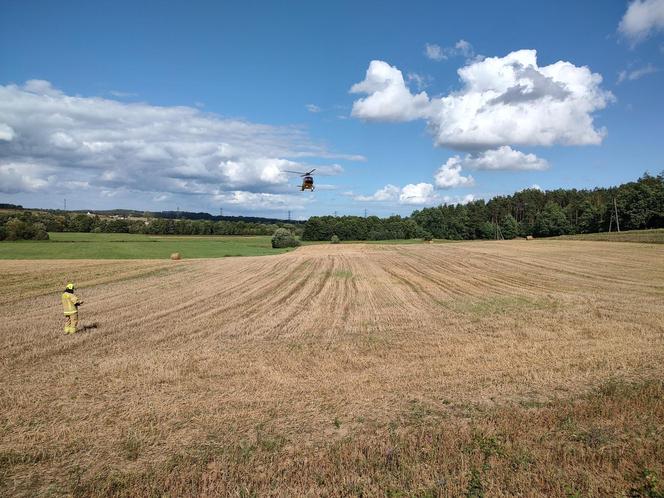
638,204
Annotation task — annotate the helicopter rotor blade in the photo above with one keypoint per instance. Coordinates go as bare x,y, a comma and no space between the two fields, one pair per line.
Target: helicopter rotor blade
309,172
295,172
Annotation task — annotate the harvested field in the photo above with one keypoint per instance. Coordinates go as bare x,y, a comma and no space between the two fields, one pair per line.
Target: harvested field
528,368
652,236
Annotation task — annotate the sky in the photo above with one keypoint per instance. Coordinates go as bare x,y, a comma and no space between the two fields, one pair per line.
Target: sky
204,105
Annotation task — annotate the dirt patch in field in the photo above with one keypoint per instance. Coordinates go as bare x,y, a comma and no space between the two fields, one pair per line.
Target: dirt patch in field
310,348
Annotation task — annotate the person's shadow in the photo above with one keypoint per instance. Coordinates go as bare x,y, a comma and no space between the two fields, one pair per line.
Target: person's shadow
89,326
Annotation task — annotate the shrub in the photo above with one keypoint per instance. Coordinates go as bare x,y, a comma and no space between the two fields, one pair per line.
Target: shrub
335,239
284,238
39,232
427,237
16,229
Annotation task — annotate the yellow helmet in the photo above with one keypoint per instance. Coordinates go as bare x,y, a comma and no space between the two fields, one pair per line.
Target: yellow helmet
70,286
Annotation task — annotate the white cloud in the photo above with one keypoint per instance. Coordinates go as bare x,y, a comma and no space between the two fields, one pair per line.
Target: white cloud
119,94
313,108
536,187
503,101
256,201
41,87
438,53
6,132
412,194
434,52
329,170
643,18
143,148
456,199
462,47
24,177
419,193
502,158
636,74
421,81
389,98
387,193
449,175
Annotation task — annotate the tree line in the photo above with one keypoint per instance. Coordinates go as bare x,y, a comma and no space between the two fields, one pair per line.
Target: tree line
639,205
358,228
35,225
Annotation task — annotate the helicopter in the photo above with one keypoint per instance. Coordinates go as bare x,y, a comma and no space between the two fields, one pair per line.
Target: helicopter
307,179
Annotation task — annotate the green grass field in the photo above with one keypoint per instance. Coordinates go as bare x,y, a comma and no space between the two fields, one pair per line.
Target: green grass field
654,236
136,246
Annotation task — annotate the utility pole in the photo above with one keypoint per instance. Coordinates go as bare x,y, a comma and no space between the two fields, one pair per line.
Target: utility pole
615,207
335,214
499,233
365,212
289,213
65,209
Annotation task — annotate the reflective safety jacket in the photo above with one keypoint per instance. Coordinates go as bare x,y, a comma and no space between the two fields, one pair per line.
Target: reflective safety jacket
69,302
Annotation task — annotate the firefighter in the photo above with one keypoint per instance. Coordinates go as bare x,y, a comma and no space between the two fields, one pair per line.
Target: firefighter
70,304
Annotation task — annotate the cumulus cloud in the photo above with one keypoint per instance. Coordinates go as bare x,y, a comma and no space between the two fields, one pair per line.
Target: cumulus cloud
385,194
389,98
460,200
412,194
437,53
636,74
507,100
41,87
110,145
502,158
18,177
643,18
418,193
449,175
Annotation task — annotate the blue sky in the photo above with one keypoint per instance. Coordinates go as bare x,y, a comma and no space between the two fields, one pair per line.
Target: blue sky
202,105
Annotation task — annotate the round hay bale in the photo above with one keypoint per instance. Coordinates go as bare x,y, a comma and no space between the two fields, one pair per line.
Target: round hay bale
529,237
176,256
